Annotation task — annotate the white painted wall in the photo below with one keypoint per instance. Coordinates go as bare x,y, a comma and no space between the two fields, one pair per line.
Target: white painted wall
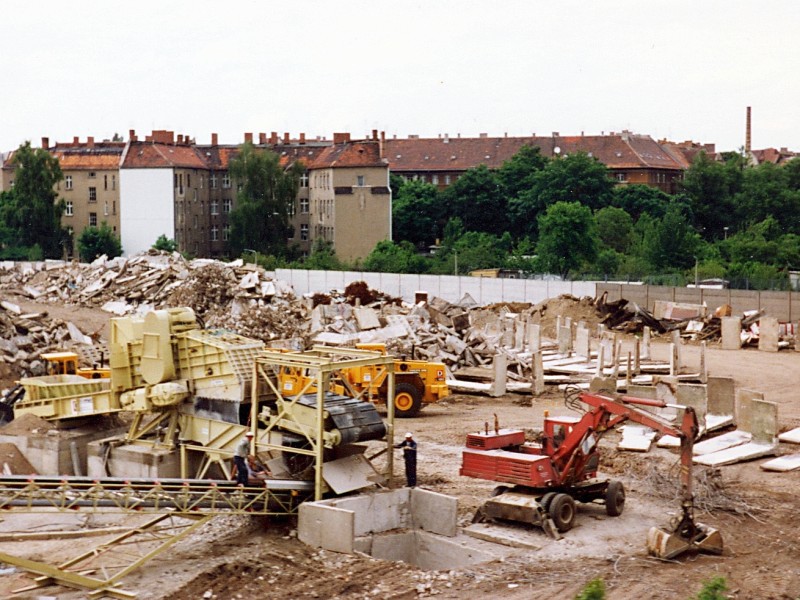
484,290
146,208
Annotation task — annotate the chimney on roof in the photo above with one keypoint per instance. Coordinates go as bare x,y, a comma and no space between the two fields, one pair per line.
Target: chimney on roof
132,135
273,138
505,134
375,134
180,138
302,138
248,138
341,138
555,134
90,142
45,143
76,140
214,139
747,134
262,138
483,135
382,145
286,138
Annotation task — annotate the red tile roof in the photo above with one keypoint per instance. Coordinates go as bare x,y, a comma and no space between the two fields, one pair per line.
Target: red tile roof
622,151
350,154
144,155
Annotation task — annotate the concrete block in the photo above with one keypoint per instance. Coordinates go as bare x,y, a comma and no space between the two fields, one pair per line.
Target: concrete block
603,384
381,511
326,527
500,371
434,512
757,416
722,442
768,334
564,339
366,318
534,337
695,396
721,394
582,347
636,438
731,333
537,386
132,461
395,547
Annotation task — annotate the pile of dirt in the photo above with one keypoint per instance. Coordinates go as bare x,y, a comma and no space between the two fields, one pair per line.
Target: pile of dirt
12,462
27,424
546,313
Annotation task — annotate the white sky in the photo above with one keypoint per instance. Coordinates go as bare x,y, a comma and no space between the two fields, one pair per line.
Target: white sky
683,69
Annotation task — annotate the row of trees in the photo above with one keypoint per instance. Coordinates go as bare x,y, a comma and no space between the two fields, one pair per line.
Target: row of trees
563,215
567,216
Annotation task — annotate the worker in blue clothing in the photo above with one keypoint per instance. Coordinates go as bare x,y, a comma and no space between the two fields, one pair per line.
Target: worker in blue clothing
409,447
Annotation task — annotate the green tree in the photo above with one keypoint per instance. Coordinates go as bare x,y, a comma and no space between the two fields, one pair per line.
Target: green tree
478,200
322,258
766,192
29,211
472,250
670,243
417,213
391,257
517,173
574,178
96,241
637,199
261,218
710,187
614,228
165,244
566,237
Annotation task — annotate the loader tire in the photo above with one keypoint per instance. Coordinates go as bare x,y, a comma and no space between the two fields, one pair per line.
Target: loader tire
562,511
499,490
407,400
615,498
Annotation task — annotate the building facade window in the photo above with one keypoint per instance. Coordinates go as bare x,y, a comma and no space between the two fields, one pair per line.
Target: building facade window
360,181
92,175
105,208
304,180
105,182
226,180
92,219
113,182
447,179
621,177
69,209
226,233
92,194
214,207
214,233
226,205
303,206
435,180
304,232
68,182
212,181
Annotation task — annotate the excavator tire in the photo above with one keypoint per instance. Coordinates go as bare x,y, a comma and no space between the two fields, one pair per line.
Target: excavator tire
562,511
615,498
547,499
407,400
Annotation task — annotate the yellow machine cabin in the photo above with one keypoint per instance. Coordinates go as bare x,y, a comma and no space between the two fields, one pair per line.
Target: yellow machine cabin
417,382
66,363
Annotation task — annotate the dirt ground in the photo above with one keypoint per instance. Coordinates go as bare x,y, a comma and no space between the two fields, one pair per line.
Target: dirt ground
234,557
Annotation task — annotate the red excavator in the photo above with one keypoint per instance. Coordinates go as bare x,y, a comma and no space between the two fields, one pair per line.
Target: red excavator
544,480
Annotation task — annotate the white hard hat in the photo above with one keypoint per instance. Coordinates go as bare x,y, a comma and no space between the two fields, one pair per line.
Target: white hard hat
408,435
249,434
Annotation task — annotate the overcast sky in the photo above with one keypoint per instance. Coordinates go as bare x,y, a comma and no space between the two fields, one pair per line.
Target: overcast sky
677,70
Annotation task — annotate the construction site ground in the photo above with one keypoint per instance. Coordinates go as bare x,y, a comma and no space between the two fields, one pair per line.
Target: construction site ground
240,557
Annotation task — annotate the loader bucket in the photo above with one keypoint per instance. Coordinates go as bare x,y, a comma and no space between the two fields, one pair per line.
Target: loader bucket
665,544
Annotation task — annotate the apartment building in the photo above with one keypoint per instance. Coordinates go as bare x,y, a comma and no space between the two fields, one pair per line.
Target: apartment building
90,187
631,158
350,202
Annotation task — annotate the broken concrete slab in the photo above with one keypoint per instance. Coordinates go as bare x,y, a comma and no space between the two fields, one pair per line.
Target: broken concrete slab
790,437
722,442
731,333
787,462
736,454
768,334
636,438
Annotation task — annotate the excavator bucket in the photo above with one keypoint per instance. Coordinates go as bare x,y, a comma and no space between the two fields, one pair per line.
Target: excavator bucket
665,544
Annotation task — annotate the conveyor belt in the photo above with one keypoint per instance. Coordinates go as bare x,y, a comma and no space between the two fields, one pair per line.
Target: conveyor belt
33,494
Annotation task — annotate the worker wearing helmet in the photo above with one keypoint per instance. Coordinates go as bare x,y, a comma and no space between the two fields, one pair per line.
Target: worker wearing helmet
240,458
409,447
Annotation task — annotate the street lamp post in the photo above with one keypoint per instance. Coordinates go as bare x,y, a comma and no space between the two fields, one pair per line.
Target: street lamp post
726,232
255,256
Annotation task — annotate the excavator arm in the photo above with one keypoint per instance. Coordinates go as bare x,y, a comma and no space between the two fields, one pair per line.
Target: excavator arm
685,533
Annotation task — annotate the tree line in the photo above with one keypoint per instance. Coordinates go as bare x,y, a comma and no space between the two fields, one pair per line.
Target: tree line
563,215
